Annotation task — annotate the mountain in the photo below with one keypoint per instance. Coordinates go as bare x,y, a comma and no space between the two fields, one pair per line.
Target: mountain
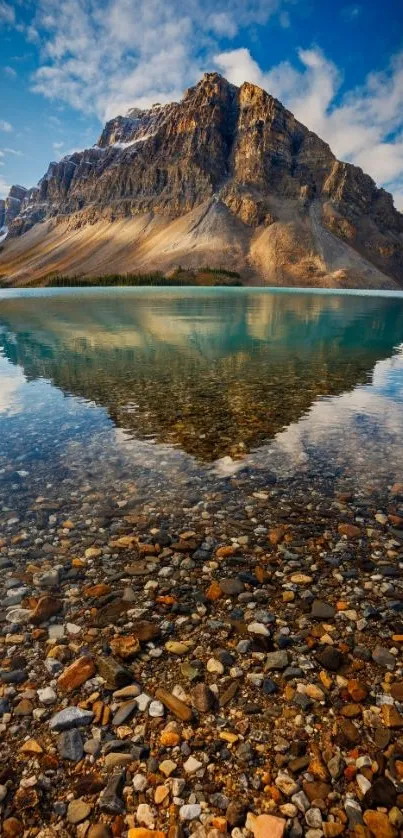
226,177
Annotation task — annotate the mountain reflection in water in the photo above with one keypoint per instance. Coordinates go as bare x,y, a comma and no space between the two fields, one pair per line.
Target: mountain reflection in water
213,372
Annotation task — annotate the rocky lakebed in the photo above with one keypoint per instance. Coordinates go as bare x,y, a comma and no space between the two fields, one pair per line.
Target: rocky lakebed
229,665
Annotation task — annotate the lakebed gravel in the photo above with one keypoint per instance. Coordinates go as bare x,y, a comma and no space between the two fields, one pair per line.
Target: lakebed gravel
230,665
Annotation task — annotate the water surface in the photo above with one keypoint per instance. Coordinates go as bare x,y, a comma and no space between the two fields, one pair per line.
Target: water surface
164,395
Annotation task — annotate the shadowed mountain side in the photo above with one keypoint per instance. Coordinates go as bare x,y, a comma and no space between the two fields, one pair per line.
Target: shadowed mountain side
218,374
226,177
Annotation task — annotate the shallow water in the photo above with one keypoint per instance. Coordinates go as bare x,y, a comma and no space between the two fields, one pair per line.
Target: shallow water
160,396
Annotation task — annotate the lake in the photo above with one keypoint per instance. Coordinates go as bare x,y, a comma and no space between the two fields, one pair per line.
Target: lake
170,397
201,554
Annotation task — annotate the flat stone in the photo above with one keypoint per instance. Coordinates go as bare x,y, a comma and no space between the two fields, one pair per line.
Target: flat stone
236,813
383,657
47,696
391,716
76,674
110,798
47,607
145,630
322,610
192,765
276,660
69,718
175,705
382,793
70,745
379,824
78,811
269,826
24,708
115,675
124,712
203,699
114,759
175,647
330,658
231,587
167,767
190,811
125,646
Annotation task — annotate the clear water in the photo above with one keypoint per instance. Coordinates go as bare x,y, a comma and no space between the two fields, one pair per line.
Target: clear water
162,396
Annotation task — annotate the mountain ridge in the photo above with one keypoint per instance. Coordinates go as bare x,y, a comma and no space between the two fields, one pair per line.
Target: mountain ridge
227,177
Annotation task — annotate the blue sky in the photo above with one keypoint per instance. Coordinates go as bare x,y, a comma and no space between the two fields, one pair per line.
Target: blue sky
68,65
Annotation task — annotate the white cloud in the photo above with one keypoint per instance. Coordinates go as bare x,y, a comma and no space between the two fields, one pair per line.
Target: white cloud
106,57
13,151
7,14
58,146
10,72
5,126
363,126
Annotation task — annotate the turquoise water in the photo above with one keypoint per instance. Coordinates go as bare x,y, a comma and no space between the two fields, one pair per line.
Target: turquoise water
151,392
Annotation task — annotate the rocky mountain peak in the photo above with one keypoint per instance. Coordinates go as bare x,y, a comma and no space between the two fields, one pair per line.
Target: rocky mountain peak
239,153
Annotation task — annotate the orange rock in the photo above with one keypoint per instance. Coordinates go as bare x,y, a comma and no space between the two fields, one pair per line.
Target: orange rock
226,550
214,592
379,824
76,674
357,690
332,829
391,716
169,738
46,607
95,591
219,823
12,828
266,826
125,646
175,705
78,563
277,534
349,530
31,747
160,794
260,574
166,600
342,605
142,832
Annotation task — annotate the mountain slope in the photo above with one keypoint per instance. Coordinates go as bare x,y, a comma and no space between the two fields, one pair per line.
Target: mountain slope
226,177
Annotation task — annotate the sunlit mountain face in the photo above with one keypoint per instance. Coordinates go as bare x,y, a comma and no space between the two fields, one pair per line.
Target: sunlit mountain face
175,398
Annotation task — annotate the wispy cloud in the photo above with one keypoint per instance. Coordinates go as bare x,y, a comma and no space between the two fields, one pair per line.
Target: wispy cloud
364,126
7,14
5,126
13,151
10,72
106,58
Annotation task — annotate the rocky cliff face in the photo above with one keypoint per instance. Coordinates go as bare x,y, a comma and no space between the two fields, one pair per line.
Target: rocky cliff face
236,155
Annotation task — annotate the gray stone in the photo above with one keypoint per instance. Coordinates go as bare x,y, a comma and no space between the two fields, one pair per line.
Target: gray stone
109,799
190,811
124,712
70,745
322,610
69,718
231,587
383,657
276,660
